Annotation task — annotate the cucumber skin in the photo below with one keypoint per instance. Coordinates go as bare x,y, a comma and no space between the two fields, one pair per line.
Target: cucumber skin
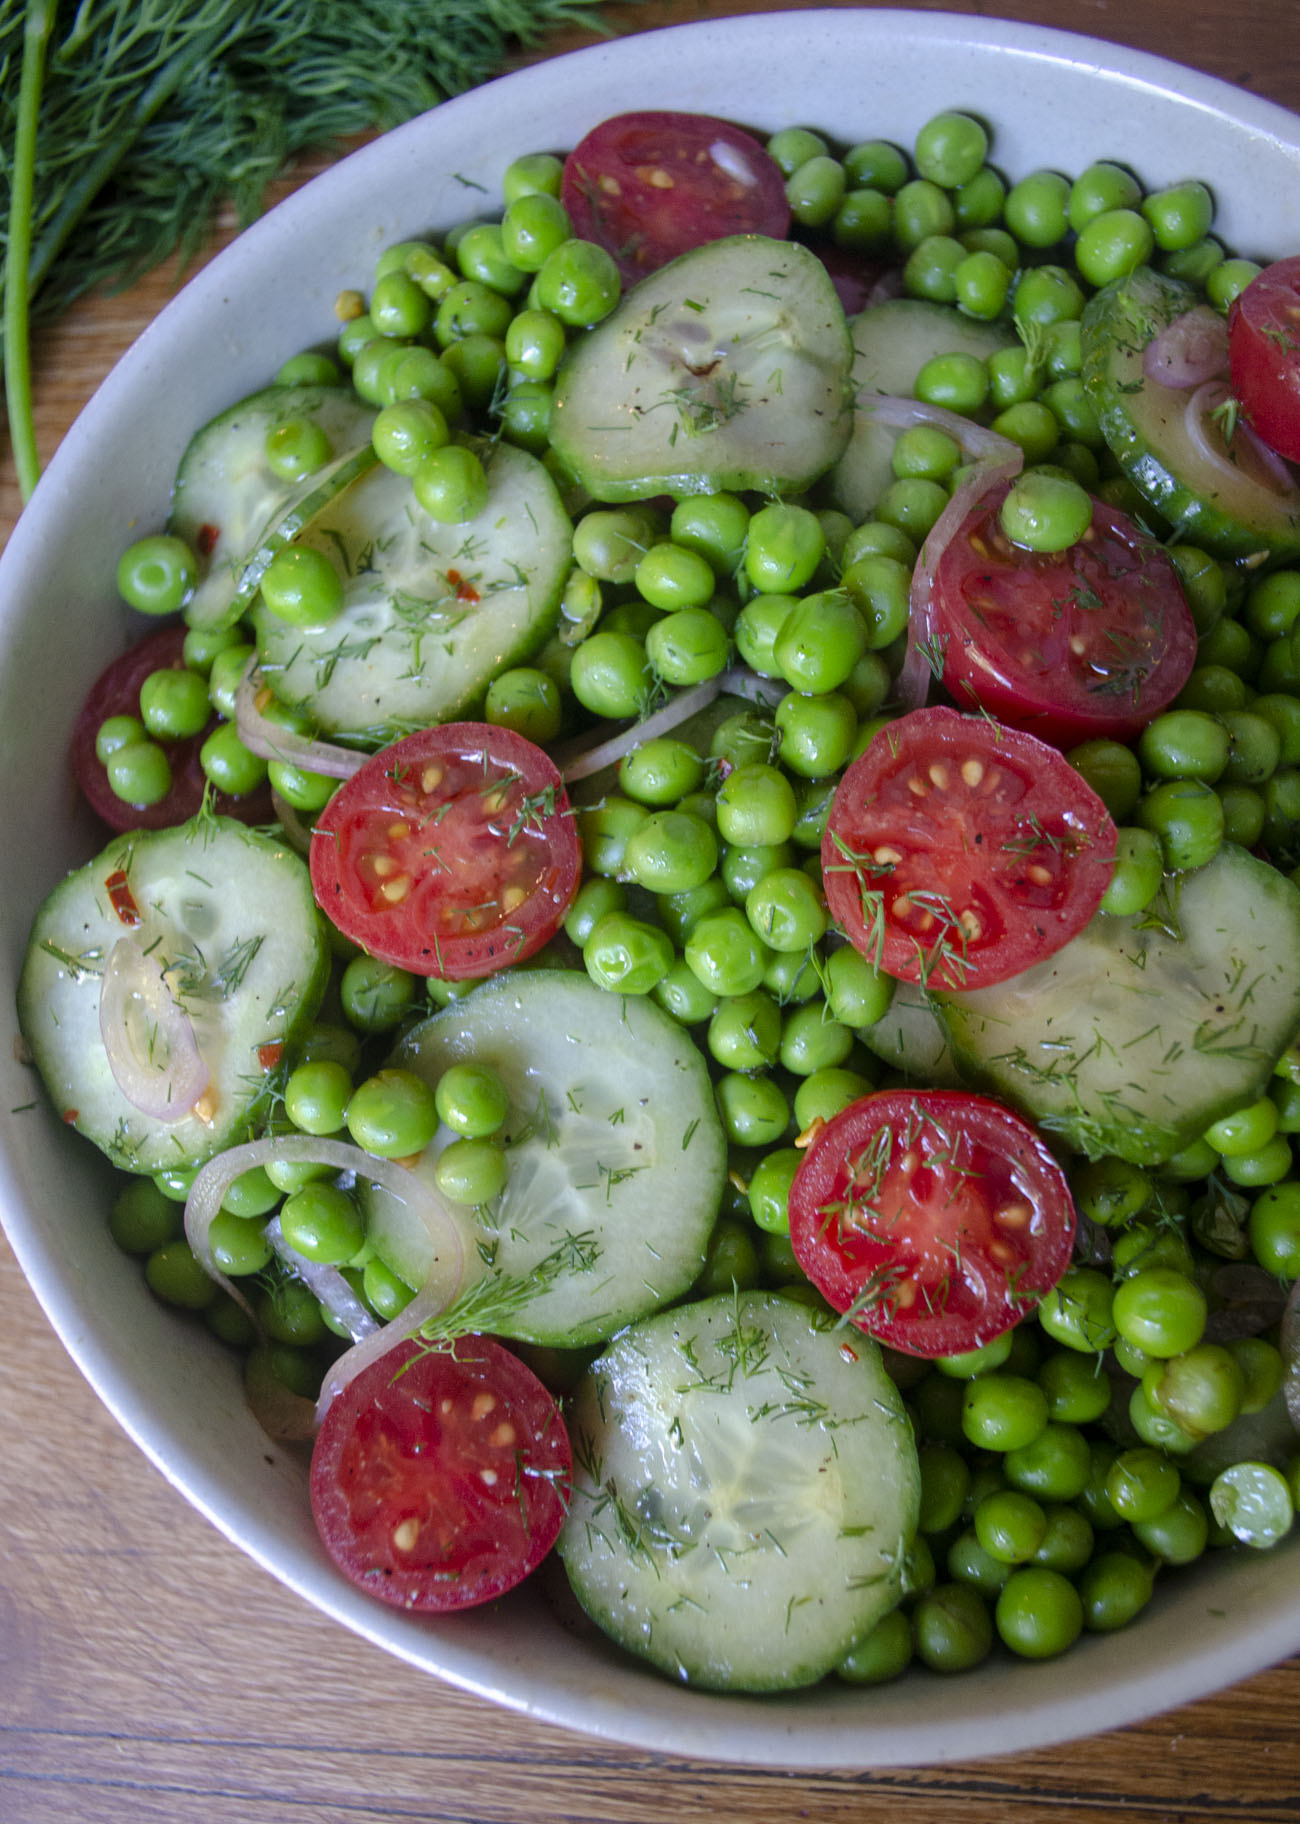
980,1038
139,1144
1142,305
635,1578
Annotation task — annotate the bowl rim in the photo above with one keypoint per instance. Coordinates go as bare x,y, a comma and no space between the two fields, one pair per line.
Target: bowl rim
753,1732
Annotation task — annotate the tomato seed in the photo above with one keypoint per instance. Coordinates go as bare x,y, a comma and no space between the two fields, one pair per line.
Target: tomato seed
205,1109
398,832
430,775
395,891
939,775
484,1403
972,771
917,786
504,1436
406,1536
887,857
1041,876
1012,1215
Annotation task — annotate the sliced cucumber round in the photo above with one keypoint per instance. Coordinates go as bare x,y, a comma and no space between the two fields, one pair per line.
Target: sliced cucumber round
616,1155
1143,1031
911,1038
727,368
1213,497
745,1487
431,612
229,915
891,344
231,507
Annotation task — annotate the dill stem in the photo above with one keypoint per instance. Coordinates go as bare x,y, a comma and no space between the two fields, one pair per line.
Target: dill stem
37,29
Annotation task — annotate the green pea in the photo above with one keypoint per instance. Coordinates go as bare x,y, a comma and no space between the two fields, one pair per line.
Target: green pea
1113,244
609,674
786,909
605,829
1201,1390
174,704
815,190
308,369
1225,282
1114,1589
824,1093
1077,1389
1274,1229
756,806
579,283
1180,215
883,1654
1253,1501
323,1223
375,995
753,1110
931,268
673,851
1268,1165
1038,1613
1054,1466
857,993
297,448
794,146
139,773
1045,512
1078,1311
300,585
878,163
472,1100
783,548
688,647
745,1030
1046,295
1160,1310
1178,1535
914,506
812,1041
1003,1412
156,575
1031,425
533,174
1184,744
1036,209
958,381
968,1363
816,733
316,1096
681,995
981,284
117,732
1186,815
1110,1191
626,955
289,1313
451,484
142,1218
921,209
174,1274
1101,187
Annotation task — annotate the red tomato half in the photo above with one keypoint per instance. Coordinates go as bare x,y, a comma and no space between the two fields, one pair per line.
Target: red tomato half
440,1476
958,852
451,853
936,1220
650,186
1095,640
116,692
1264,354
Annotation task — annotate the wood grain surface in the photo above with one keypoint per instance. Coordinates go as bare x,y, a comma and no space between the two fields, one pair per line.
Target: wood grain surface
150,1674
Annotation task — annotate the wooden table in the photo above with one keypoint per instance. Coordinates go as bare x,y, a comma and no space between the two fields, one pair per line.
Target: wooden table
149,1672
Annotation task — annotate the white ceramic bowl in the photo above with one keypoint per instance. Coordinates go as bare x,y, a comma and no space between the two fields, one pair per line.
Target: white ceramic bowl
1053,100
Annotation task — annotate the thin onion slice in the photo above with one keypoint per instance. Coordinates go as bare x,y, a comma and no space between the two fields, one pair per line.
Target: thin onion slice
325,1283
296,833
1263,465
1289,1344
1189,351
272,742
582,762
213,1180
994,460
148,1038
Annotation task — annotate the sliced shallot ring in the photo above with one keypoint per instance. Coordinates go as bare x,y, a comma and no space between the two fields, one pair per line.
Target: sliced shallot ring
1289,1344
216,1177
272,742
1200,405
1189,351
135,987
994,459
580,763
325,1283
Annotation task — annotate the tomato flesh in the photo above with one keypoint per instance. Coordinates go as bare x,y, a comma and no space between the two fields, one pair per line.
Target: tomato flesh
440,1475
452,853
650,186
1264,355
936,1220
116,692
958,852
1071,645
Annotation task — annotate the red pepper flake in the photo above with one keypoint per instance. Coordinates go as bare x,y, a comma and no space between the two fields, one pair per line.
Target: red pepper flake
72,1116
122,899
205,540
465,591
268,1056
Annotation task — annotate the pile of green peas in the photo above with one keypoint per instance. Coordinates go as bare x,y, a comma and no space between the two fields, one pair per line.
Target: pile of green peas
1062,1465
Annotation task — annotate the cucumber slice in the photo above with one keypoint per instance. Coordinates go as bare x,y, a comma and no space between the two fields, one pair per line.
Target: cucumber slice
1229,507
230,915
727,368
1140,1033
744,1490
891,344
616,1154
227,501
911,1039
430,612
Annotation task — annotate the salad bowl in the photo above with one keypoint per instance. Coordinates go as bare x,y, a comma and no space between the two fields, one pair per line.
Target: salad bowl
1051,100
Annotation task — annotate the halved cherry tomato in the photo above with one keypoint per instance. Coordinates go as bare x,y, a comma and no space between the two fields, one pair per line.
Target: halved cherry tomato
936,1220
116,692
451,853
650,186
440,1475
1091,641
958,852
1264,354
